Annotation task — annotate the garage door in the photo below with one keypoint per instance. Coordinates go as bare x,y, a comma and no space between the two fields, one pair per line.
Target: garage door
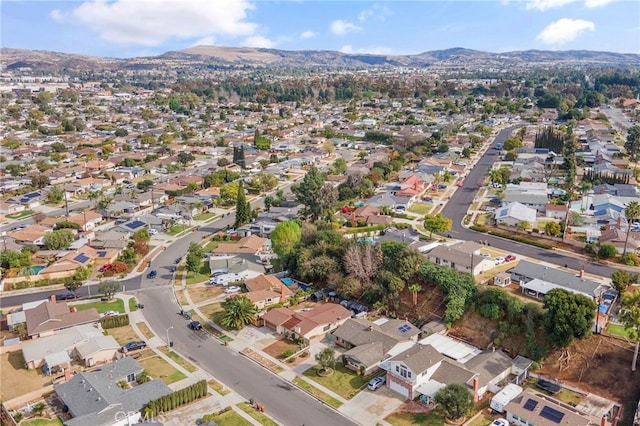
396,387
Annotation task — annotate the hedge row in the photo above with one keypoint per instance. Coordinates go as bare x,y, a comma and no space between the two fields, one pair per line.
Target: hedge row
365,229
114,321
521,239
175,399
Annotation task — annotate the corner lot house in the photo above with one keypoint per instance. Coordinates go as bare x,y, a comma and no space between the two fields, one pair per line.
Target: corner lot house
49,317
464,257
95,398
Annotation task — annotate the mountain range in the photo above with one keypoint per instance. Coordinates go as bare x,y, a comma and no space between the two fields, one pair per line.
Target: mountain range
218,56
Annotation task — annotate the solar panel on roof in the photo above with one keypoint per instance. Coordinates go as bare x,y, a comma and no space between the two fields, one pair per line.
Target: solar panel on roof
101,253
530,404
404,328
551,414
135,224
82,258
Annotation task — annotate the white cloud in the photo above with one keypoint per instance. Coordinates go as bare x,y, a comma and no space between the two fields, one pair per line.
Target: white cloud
340,27
56,15
151,22
543,5
258,41
365,14
375,50
308,34
206,41
380,12
597,3
564,30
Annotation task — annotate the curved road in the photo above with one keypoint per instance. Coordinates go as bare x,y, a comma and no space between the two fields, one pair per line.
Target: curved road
457,206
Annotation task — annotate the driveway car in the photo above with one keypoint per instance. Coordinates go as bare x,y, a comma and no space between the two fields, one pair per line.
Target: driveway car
500,422
153,231
459,184
376,382
152,274
109,314
105,267
509,258
233,289
133,346
442,186
67,296
178,260
499,260
427,199
195,325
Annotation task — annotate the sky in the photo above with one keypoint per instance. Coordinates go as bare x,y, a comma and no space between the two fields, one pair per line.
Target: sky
129,28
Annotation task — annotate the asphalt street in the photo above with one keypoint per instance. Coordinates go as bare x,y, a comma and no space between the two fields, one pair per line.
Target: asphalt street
457,206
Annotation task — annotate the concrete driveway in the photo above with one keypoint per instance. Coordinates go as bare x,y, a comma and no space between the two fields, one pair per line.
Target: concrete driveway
369,407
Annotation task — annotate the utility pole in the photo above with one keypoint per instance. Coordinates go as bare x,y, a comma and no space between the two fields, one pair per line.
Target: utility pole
66,203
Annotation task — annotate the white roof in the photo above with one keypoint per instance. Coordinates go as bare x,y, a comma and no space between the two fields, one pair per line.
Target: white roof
57,358
97,344
430,388
16,318
507,394
544,287
64,340
450,347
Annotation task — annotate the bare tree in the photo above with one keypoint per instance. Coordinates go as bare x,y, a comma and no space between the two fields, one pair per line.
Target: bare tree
363,261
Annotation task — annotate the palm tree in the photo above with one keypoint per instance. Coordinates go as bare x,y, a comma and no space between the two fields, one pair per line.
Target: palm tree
238,312
327,359
495,176
632,211
415,289
630,316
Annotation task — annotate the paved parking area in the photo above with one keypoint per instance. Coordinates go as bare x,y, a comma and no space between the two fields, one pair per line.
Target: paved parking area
258,338
368,407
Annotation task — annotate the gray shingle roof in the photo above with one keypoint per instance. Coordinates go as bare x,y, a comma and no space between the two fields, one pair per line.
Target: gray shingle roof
419,358
556,276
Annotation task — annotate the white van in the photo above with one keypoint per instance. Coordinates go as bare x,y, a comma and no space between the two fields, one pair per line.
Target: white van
225,279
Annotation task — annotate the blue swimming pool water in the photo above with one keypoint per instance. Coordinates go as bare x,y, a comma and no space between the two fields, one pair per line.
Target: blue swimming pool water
287,281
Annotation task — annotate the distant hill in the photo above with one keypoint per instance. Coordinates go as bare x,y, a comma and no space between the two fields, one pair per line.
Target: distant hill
46,61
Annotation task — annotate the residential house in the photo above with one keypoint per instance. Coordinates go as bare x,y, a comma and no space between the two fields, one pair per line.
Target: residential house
11,208
87,220
30,200
312,326
266,290
515,213
251,244
464,257
96,397
533,407
531,194
369,343
556,211
390,201
85,343
412,187
31,235
369,215
618,237
536,280
47,318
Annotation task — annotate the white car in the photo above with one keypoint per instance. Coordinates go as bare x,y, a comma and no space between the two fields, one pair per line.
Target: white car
109,314
153,232
499,260
233,289
500,422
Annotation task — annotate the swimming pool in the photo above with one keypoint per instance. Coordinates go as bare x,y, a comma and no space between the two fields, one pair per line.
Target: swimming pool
32,270
287,281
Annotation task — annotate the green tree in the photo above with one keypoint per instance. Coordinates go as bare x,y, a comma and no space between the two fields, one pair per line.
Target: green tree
82,273
268,202
55,194
327,359
15,259
238,312
40,181
567,317
185,158
58,239
141,234
622,279
243,208
632,212
121,132
553,228
512,143
285,237
308,191
339,166
632,144
109,288
72,285
630,317
607,251
456,401
436,223
193,261
415,289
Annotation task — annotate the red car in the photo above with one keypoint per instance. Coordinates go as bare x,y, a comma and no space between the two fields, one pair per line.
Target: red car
509,258
106,267
459,184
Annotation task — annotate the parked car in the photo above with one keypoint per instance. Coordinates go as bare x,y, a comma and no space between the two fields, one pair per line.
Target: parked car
459,184
172,269
152,274
109,314
178,260
106,267
549,386
67,296
499,260
195,325
427,199
509,258
233,289
489,209
500,422
218,272
133,346
442,186
153,231
376,382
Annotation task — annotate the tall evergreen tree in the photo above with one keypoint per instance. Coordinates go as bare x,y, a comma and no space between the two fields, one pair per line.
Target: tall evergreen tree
243,208
307,192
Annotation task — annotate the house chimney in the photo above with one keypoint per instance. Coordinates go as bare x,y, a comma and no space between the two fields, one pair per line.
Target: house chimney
475,389
581,273
67,375
603,421
53,298
283,297
618,222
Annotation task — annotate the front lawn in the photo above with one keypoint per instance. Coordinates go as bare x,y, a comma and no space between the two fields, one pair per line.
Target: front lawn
123,335
42,422
210,246
420,208
176,229
115,305
161,369
231,418
20,215
17,380
178,359
317,392
434,418
204,216
260,417
343,381
202,275
133,304
618,330
218,387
